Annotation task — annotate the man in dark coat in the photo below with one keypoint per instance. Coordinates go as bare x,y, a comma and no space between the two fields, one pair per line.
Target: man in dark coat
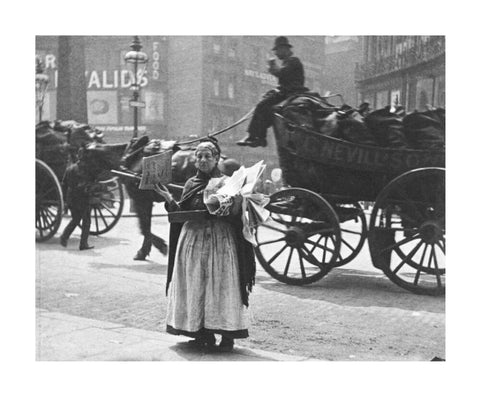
78,184
291,79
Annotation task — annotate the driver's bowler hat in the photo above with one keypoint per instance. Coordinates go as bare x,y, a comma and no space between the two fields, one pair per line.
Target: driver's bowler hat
281,41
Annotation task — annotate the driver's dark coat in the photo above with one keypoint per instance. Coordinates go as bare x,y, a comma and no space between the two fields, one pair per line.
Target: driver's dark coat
290,74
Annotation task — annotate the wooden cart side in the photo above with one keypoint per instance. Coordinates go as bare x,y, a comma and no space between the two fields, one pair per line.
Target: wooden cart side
328,165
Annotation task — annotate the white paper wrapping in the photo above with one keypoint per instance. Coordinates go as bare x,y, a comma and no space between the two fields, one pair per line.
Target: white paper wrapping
221,194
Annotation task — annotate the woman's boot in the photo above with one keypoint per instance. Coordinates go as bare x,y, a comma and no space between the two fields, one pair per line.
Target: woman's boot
226,345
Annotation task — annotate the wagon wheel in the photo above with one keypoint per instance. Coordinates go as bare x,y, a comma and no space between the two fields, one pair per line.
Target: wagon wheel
48,202
353,227
407,231
106,206
289,247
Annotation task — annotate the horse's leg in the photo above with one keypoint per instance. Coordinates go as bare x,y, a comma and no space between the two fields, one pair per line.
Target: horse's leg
143,208
159,243
146,227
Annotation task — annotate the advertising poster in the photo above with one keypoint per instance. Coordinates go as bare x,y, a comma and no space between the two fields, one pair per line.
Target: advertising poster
154,107
102,107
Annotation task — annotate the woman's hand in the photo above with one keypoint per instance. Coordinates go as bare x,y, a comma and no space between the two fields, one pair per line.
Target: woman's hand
237,204
163,191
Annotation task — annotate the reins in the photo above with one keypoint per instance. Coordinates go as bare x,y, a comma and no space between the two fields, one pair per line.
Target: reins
243,119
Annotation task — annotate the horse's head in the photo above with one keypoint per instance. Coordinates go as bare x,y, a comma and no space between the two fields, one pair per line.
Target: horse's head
46,135
183,166
138,148
81,135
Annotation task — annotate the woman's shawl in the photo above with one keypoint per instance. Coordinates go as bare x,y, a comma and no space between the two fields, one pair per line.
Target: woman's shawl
246,257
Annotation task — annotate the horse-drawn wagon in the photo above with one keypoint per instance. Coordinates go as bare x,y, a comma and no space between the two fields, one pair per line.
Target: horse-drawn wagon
56,147
318,223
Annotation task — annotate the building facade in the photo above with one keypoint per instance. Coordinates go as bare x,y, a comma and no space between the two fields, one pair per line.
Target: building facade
342,54
194,85
405,70
108,84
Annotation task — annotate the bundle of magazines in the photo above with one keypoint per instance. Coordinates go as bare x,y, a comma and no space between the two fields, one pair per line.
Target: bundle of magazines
225,195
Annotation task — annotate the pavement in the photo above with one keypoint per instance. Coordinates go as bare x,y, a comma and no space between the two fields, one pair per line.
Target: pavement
62,337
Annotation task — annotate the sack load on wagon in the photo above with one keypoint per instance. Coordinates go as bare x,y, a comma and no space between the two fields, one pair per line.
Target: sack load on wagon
386,127
57,132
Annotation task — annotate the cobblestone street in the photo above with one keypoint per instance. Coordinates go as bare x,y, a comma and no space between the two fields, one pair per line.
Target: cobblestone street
355,313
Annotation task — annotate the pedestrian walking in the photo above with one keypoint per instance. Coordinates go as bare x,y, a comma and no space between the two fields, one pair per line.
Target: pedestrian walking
211,266
78,184
291,79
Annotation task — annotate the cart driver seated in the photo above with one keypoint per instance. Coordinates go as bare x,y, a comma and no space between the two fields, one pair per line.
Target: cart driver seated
291,79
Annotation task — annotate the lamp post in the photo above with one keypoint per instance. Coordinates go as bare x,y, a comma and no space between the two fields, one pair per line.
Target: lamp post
41,83
137,63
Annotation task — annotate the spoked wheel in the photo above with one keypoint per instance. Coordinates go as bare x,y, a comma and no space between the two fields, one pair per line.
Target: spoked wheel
290,246
353,227
106,206
407,231
48,202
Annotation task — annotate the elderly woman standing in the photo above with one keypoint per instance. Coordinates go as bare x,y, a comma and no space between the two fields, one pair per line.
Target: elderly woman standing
211,266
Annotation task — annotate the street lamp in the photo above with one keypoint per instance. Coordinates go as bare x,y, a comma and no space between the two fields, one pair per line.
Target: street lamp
41,83
137,63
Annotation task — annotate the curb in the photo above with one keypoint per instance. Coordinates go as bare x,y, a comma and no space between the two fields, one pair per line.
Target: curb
63,337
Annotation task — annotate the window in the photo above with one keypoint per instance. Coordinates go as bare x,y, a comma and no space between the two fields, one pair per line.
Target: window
385,46
217,45
232,48
439,100
154,109
231,90
395,97
216,87
215,123
424,93
373,47
256,55
401,45
410,42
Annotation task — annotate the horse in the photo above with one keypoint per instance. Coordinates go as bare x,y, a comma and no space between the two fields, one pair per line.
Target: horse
110,157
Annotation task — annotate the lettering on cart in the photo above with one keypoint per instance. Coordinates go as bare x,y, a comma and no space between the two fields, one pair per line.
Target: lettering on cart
369,157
